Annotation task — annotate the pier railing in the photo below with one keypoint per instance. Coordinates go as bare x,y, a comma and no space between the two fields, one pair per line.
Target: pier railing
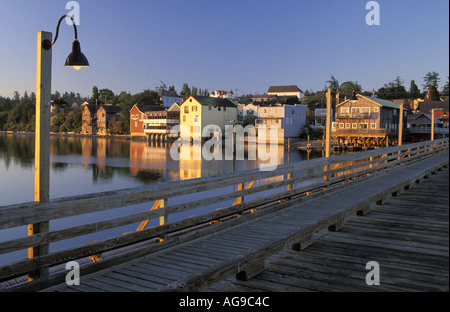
244,196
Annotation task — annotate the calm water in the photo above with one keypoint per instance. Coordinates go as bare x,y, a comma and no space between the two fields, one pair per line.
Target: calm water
90,165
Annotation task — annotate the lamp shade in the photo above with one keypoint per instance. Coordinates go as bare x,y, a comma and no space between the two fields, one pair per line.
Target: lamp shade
76,59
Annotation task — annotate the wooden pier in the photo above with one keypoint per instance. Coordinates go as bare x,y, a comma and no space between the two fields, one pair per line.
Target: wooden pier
294,204
408,236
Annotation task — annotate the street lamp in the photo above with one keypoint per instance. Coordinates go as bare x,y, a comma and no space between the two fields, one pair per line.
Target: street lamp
76,60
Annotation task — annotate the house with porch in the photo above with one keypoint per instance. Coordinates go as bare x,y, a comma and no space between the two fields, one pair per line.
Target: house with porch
367,122
420,127
158,124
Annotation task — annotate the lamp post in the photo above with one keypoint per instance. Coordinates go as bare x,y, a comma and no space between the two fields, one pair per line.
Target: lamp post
77,60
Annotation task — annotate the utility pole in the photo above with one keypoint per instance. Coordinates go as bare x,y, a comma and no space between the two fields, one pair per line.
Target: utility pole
432,124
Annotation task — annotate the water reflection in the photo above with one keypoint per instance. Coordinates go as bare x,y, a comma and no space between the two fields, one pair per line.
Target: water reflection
81,165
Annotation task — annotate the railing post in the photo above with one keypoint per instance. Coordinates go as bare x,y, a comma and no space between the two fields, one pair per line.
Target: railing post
163,218
328,133
289,186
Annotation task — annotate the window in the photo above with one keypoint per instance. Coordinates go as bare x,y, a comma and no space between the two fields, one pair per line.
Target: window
344,110
376,109
184,118
194,108
341,126
186,109
373,126
395,112
356,110
347,125
354,126
365,110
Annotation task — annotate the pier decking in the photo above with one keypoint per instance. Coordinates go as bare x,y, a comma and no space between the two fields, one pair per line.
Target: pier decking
408,236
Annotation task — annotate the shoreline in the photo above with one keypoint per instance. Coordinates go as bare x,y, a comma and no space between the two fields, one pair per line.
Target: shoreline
293,143
74,135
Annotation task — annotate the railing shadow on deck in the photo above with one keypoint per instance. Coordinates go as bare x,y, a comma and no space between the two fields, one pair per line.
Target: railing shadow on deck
291,181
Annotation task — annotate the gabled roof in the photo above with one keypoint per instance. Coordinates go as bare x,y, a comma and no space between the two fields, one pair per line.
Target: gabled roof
175,107
210,101
427,106
424,119
279,89
381,102
91,107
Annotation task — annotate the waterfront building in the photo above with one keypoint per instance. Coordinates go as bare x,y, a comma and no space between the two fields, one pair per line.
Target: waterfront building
89,119
159,123
367,122
288,119
138,116
419,126
199,113
106,114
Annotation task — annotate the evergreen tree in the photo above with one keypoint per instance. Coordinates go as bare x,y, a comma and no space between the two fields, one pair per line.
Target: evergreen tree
431,80
414,91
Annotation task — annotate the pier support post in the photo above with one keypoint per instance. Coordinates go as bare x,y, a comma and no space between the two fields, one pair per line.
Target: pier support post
303,244
250,269
335,227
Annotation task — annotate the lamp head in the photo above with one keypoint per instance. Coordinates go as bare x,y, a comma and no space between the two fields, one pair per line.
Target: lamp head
76,59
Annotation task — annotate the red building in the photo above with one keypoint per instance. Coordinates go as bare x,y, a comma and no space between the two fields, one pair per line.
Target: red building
137,117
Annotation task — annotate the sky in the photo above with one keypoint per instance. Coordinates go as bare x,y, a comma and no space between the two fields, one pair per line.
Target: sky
248,45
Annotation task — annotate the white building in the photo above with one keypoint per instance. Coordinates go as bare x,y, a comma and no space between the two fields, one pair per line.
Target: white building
247,110
288,119
289,91
222,94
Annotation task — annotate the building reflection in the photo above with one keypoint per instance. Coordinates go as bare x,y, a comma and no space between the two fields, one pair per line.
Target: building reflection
151,161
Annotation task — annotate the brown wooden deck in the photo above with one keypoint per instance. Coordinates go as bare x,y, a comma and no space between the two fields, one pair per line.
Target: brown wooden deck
408,236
